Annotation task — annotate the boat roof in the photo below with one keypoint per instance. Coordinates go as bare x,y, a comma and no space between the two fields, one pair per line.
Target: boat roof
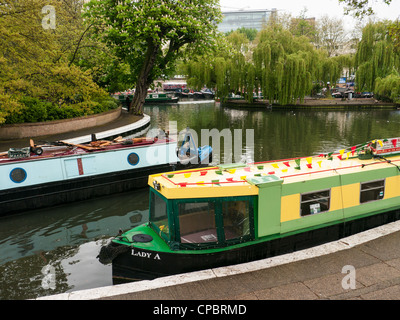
246,179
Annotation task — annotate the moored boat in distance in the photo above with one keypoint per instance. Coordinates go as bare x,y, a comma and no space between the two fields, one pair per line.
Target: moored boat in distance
156,97
42,176
231,214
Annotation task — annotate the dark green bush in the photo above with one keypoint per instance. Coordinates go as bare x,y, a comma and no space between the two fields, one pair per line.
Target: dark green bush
36,110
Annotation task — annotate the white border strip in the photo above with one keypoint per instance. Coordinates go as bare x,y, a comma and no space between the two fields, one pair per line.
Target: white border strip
113,132
328,248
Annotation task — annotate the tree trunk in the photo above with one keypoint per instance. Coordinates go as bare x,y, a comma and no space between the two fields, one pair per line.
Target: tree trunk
145,79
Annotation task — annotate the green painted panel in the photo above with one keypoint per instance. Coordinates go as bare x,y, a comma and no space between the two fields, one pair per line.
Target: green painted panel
310,185
369,175
269,210
372,206
312,221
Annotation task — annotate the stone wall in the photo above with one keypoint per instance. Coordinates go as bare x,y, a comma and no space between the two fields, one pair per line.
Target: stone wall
31,130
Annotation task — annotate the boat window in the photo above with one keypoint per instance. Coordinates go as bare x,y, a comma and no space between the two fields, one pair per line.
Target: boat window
197,222
158,213
315,202
236,219
372,191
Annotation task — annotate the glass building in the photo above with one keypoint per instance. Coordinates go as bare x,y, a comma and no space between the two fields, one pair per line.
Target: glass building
254,19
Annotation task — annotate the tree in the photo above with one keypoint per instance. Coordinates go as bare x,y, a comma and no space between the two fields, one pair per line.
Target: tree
330,34
36,62
375,57
149,35
360,8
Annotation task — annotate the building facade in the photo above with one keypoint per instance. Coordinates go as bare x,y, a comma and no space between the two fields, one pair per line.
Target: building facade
254,19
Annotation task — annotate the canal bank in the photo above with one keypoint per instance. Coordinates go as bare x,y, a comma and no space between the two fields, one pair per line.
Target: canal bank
125,123
365,266
317,104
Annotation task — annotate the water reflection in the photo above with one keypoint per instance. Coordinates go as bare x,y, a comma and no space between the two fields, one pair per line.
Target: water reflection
68,238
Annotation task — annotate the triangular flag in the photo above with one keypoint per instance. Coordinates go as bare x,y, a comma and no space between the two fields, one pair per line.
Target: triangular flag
284,170
353,149
286,164
394,142
309,160
309,165
319,163
347,155
340,157
297,162
275,166
380,143
341,152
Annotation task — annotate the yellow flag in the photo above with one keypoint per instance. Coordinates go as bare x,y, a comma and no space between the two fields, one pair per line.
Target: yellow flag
309,160
347,155
341,152
380,143
275,166
319,163
187,175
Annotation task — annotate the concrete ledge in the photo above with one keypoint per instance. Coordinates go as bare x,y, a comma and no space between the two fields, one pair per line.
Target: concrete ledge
31,130
113,132
325,249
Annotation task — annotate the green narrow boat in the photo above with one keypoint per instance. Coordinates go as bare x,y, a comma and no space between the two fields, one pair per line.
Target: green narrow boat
237,213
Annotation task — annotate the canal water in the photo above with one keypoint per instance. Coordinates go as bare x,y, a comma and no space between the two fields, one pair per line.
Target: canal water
52,251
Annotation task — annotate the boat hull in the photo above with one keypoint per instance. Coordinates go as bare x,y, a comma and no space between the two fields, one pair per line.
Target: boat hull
44,182
138,264
67,191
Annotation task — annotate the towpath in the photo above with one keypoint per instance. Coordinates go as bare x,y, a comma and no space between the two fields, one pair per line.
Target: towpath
365,266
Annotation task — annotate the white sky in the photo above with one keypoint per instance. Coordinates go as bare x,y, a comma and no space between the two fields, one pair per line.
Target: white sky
315,8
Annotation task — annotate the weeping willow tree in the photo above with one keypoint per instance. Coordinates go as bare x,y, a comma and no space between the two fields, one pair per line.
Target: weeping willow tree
286,65
281,66
376,56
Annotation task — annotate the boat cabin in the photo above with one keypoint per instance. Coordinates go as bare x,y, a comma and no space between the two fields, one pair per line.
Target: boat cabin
231,204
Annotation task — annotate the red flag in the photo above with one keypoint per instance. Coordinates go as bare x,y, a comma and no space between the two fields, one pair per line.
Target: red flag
286,164
394,141
353,149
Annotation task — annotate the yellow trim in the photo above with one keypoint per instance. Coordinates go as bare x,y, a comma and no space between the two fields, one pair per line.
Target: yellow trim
290,207
392,187
172,191
351,195
336,199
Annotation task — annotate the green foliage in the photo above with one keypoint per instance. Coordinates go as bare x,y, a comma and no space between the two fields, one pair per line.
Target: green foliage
149,36
282,65
37,70
36,110
360,8
388,88
250,33
376,56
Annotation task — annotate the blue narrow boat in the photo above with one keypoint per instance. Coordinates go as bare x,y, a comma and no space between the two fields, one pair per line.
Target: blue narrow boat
49,175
